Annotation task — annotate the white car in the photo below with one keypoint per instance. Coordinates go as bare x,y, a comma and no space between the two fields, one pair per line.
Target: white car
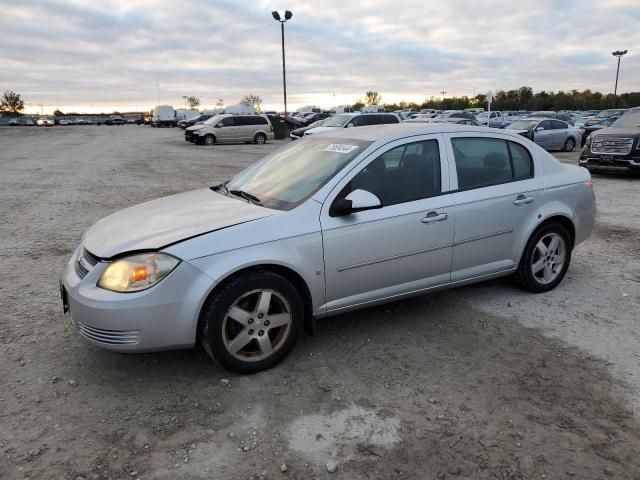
45,122
349,120
65,122
332,223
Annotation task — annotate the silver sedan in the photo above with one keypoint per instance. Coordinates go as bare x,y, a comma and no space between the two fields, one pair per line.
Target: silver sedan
330,223
549,133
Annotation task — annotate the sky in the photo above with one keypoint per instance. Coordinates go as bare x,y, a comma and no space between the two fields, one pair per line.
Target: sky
90,55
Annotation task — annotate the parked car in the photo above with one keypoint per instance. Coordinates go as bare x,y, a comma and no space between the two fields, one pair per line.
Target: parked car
233,128
348,120
333,223
616,147
455,114
307,118
195,120
115,120
464,121
564,116
586,131
64,121
612,112
299,132
45,122
491,119
549,133
13,122
428,119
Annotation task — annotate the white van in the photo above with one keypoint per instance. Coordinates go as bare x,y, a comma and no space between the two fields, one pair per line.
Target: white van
163,116
186,114
240,109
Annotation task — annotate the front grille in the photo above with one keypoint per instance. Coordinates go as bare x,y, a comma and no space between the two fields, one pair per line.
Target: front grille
85,262
81,270
612,145
90,257
109,337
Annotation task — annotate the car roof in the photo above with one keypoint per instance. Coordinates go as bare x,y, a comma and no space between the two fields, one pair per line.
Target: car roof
401,130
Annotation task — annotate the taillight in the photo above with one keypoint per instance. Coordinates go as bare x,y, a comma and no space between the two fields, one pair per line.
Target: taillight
590,183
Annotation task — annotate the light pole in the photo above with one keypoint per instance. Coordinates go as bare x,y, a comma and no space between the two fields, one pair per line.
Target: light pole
619,54
276,17
185,107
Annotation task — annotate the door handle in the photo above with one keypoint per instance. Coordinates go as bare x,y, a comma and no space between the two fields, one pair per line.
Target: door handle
433,217
522,200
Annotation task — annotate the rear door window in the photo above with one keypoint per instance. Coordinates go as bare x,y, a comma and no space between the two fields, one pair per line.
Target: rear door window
389,119
373,119
482,162
558,125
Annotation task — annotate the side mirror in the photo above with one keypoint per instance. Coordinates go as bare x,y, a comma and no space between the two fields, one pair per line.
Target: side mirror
538,129
349,125
218,125
357,201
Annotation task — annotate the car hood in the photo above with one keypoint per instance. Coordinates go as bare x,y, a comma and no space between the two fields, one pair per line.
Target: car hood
158,223
320,130
197,126
623,132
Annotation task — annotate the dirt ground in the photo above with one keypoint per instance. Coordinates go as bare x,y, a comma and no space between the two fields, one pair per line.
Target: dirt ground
480,382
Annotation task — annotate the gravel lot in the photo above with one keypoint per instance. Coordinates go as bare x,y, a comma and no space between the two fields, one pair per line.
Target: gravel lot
484,381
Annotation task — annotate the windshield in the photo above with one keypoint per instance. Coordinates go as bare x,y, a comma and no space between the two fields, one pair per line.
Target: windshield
482,115
628,120
290,175
318,123
522,124
338,120
213,120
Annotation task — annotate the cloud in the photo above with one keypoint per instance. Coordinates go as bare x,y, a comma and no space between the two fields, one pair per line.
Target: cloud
80,52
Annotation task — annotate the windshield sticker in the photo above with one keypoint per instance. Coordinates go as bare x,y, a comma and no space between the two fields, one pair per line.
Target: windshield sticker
340,148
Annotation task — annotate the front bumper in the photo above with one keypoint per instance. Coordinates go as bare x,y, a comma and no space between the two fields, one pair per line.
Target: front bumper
163,317
596,161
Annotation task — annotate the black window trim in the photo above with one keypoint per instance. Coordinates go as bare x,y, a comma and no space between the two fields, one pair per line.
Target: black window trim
513,179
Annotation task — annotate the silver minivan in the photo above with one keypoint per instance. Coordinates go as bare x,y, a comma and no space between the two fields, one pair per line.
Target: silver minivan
233,129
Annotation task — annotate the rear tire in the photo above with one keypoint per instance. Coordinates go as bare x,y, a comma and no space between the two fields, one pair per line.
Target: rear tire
569,144
260,139
545,260
209,140
253,322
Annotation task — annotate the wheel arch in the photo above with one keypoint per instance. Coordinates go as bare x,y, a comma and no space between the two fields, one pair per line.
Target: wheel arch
288,273
561,218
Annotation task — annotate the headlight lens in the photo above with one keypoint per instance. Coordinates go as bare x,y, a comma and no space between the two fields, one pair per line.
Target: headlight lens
137,272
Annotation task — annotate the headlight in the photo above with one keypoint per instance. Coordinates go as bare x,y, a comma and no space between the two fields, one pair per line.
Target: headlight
137,272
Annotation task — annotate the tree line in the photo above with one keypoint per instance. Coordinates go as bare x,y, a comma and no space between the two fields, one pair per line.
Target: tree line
522,98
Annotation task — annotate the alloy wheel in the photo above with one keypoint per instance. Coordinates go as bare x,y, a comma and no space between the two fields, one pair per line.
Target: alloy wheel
257,325
548,258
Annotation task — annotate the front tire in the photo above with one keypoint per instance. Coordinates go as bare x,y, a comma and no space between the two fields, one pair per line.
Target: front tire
260,139
546,259
569,144
253,322
209,140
